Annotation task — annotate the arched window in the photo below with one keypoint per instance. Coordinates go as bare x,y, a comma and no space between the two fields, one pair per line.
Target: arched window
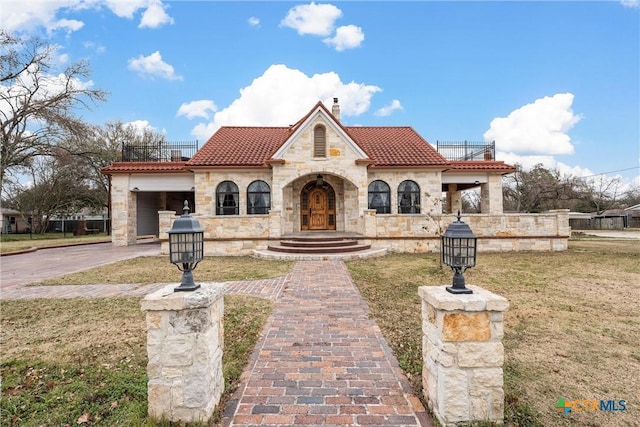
319,141
258,198
408,198
227,199
380,197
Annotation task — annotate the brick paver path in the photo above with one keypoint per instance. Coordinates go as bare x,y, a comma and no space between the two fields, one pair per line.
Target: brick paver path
323,361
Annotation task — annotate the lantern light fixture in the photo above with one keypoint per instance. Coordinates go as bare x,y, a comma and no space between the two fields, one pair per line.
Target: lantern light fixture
459,250
186,247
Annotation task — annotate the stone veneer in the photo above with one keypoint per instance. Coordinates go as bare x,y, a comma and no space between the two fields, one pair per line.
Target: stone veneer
462,353
185,338
414,233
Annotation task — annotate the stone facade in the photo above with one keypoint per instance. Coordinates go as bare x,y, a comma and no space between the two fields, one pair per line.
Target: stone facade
185,339
463,354
414,233
348,171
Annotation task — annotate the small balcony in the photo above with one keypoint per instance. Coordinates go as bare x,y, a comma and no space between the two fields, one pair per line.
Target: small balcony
467,150
159,151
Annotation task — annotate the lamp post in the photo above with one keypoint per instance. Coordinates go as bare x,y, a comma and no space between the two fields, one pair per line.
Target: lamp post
186,247
459,252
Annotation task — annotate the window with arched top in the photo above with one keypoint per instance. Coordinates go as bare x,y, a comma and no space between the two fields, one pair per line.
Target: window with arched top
380,197
408,197
258,198
227,199
319,141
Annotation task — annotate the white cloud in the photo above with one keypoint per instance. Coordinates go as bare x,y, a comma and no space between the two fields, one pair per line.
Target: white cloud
253,21
537,128
28,15
200,108
347,37
98,48
282,95
21,15
153,66
630,3
387,110
315,19
140,126
155,16
125,9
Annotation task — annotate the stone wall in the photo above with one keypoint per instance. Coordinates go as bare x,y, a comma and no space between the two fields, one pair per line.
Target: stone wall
415,233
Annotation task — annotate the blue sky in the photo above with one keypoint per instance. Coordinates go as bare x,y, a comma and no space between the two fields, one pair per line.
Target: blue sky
551,82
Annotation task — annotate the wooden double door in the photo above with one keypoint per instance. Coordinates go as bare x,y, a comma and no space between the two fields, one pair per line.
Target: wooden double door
318,209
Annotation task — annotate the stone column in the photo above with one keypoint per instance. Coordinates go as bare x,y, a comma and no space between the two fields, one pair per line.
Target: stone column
491,196
184,344
462,354
369,223
454,199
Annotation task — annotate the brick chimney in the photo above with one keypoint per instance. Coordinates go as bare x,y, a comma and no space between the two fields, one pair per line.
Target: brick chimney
335,109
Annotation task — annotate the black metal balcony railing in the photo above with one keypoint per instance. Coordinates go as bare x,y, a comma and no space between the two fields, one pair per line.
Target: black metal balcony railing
467,150
158,151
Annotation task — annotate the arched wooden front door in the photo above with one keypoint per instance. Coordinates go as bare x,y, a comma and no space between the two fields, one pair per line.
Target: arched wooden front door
317,208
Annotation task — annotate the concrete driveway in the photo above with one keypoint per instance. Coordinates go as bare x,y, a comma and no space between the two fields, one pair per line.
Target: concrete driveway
618,234
22,269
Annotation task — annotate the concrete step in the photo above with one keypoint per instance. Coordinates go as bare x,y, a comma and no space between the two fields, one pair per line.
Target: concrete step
312,249
273,255
318,243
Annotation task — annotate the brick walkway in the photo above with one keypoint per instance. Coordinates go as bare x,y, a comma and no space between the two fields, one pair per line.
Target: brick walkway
323,361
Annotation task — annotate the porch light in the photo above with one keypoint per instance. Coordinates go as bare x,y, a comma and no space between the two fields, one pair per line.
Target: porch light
186,247
459,252
319,181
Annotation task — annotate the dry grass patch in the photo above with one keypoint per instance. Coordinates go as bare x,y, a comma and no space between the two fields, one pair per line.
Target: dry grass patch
83,361
159,270
571,329
20,242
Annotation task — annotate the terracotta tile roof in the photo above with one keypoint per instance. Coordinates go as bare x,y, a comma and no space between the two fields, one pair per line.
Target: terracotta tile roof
250,146
395,146
484,165
254,146
241,146
144,167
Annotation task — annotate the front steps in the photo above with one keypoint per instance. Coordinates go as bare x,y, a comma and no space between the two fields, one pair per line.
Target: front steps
319,246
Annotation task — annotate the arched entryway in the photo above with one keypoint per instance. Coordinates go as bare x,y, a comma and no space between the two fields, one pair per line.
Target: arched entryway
317,206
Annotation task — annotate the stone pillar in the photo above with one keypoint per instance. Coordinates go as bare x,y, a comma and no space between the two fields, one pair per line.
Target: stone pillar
275,225
124,218
369,223
462,354
491,196
184,344
454,199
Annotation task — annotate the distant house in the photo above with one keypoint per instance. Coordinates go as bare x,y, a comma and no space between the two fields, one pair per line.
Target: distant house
13,222
252,185
618,218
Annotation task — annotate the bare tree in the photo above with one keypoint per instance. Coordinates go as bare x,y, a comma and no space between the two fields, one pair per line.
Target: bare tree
540,189
57,186
603,192
38,107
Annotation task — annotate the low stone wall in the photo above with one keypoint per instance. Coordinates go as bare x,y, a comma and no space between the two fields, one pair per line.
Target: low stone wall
241,235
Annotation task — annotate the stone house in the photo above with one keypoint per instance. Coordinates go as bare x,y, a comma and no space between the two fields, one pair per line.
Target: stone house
250,186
